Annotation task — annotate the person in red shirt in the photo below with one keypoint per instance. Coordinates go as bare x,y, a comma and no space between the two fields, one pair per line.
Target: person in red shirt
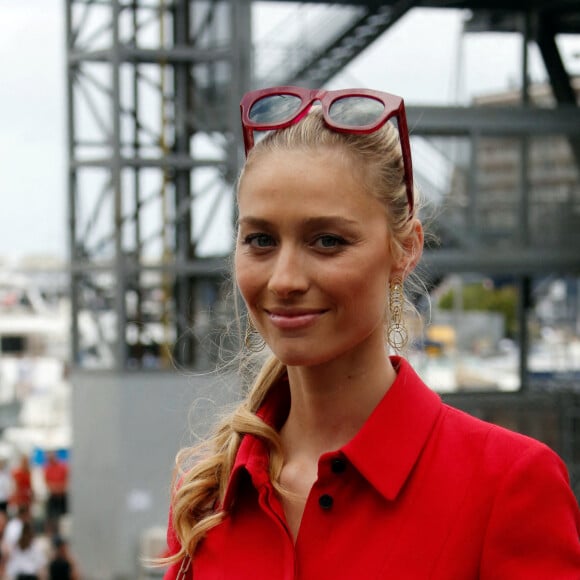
23,494
341,463
56,479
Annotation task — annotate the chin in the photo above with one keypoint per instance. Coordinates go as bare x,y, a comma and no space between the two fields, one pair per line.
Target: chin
301,358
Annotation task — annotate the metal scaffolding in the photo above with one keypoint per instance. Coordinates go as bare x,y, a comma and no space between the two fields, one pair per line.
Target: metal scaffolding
153,91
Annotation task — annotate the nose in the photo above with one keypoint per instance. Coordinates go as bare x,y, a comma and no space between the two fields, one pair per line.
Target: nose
288,275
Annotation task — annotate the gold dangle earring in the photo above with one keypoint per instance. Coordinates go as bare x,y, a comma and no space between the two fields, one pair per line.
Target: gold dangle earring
253,339
397,335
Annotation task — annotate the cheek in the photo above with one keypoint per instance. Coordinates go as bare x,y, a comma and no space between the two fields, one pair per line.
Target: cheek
357,289
369,288
245,279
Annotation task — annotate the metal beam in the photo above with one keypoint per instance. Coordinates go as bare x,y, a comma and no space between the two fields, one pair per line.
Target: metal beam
176,54
559,77
211,267
502,5
508,121
184,286
72,187
116,167
563,12
170,161
513,261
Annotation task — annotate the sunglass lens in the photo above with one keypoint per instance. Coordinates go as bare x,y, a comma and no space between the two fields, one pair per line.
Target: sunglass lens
356,111
275,109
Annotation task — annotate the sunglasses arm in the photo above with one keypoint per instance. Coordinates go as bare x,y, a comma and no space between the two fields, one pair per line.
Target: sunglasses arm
406,151
248,134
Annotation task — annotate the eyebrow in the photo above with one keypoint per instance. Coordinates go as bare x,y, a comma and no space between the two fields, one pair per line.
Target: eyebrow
316,221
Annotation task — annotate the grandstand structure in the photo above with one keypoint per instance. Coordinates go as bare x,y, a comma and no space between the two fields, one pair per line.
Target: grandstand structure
154,148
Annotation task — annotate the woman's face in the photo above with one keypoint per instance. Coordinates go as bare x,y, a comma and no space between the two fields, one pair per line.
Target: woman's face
312,257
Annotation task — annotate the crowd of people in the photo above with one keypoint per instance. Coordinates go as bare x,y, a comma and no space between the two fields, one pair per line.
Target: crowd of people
32,543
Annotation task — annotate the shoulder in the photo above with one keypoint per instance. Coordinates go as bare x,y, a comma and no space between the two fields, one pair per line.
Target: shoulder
471,447
518,489
464,446
495,442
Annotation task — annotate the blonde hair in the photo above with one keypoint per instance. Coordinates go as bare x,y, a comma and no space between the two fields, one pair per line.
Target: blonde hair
202,472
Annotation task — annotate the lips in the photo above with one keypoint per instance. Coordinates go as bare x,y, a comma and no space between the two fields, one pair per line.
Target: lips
295,318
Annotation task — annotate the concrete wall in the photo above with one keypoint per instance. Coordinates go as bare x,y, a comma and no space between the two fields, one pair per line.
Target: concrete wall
127,428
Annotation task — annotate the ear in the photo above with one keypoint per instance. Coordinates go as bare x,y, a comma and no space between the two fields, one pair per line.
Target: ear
413,250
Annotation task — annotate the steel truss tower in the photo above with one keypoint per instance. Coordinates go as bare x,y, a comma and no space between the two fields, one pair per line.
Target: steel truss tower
153,97
153,93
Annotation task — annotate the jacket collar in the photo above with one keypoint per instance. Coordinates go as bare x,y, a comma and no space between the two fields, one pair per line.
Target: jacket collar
384,451
390,442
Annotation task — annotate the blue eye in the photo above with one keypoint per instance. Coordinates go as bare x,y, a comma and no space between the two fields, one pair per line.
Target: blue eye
258,240
328,241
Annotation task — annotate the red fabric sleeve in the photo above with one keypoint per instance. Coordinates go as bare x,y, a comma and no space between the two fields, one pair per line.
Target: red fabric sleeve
173,546
534,528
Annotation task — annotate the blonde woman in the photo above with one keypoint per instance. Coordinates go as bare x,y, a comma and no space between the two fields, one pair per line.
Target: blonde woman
341,463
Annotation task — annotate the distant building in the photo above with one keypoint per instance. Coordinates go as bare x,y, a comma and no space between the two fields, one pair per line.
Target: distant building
551,194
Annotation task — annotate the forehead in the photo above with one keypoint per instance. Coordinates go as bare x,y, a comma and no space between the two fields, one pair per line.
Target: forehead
306,180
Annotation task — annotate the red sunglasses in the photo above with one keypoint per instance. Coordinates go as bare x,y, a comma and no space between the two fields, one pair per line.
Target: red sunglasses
358,111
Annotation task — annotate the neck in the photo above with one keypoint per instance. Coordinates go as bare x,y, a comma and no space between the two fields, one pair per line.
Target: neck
330,403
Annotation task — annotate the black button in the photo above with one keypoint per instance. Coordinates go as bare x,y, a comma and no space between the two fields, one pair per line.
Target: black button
338,465
325,501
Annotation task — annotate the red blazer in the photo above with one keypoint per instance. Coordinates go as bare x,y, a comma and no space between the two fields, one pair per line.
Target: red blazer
423,491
